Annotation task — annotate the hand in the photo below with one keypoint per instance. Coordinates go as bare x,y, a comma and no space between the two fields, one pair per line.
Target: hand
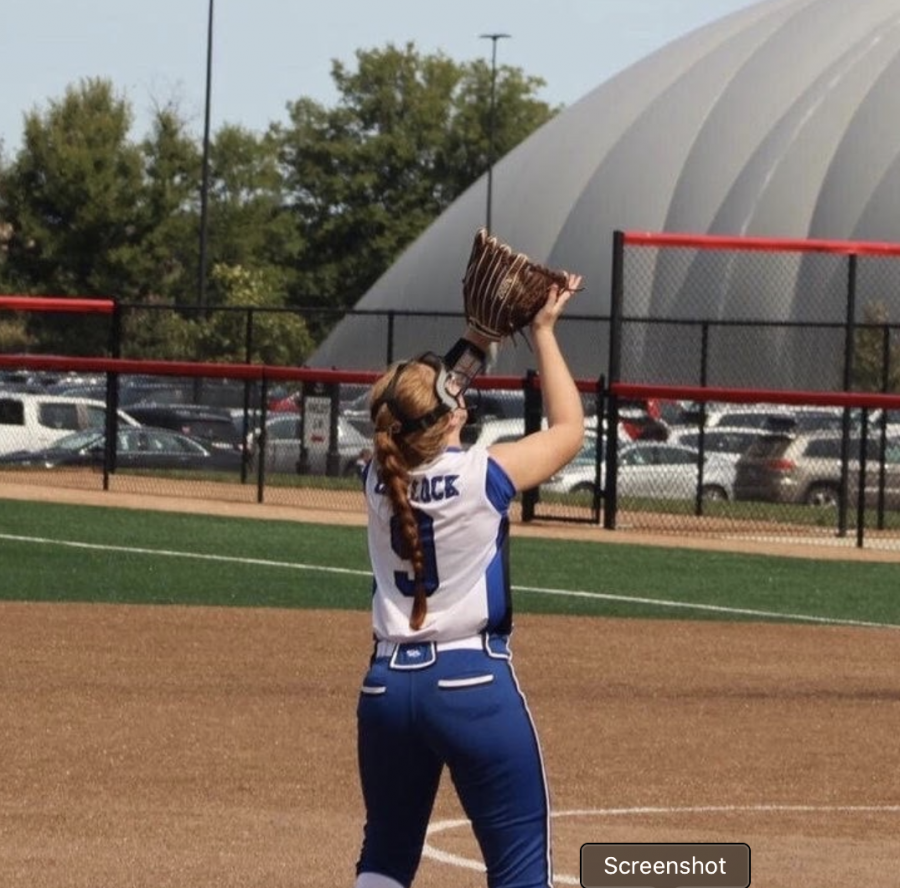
556,301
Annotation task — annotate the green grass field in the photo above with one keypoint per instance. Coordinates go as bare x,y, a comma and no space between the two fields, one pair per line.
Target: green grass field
52,552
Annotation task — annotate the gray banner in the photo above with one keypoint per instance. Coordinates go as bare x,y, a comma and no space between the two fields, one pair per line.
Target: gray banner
665,865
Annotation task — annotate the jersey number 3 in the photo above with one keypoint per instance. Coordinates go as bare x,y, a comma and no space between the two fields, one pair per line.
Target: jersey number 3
405,582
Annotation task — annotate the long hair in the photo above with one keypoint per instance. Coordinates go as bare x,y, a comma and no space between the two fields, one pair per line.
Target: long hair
397,453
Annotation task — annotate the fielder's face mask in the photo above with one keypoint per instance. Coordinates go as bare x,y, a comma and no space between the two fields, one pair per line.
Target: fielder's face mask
449,386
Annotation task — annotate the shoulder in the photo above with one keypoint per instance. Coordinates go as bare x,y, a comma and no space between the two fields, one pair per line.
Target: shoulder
498,486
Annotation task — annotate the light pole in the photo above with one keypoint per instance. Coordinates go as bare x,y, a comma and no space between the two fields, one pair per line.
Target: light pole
490,173
204,181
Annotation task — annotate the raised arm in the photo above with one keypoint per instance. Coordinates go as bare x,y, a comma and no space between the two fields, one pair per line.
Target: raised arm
536,457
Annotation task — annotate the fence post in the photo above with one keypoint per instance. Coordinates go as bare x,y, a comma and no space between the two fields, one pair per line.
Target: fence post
849,344
263,439
245,423
615,371
701,437
390,338
861,478
599,487
534,408
882,425
111,424
333,456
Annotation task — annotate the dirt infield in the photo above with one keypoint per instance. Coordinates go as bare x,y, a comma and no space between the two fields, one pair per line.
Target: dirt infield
214,748
166,747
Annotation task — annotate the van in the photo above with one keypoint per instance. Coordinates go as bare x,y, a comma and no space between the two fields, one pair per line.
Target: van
31,421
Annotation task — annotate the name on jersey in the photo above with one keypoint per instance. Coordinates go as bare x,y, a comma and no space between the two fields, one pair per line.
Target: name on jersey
429,489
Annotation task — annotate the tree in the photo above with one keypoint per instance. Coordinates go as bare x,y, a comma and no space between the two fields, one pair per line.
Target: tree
69,198
318,209
279,338
249,224
407,136
163,260
70,193
870,361
152,330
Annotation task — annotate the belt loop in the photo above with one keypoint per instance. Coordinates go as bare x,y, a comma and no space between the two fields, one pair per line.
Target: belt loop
497,646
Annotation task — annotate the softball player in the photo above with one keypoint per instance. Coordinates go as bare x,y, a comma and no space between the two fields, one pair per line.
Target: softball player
441,689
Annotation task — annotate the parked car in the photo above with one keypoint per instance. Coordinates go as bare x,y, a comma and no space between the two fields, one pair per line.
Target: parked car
500,431
890,418
486,407
285,402
21,381
130,393
729,443
356,412
817,419
656,470
753,416
805,468
283,446
31,421
137,447
214,426
580,475
649,419
493,431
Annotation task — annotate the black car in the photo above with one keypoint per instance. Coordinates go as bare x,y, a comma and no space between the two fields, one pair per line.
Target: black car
211,425
137,447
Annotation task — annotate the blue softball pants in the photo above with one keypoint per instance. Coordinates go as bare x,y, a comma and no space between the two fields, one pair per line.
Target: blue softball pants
424,707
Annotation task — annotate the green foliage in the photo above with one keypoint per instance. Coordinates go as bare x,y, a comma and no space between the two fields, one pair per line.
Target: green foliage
163,263
319,208
869,359
69,198
69,194
6,232
248,224
407,136
517,113
155,331
278,338
14,338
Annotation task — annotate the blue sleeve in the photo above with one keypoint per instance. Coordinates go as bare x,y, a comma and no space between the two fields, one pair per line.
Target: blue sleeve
498,486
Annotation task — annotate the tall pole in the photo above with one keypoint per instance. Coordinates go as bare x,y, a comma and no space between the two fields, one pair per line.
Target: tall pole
204,183
492,123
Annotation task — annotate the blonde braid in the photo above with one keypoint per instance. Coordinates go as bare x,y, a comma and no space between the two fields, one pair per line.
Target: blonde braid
396,455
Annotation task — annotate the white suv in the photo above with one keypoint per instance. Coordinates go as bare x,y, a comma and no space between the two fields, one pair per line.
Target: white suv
34,421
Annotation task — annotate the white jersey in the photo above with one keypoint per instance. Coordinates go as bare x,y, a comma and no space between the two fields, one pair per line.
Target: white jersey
461,501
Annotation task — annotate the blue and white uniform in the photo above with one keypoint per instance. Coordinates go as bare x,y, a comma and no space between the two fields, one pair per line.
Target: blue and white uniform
447,694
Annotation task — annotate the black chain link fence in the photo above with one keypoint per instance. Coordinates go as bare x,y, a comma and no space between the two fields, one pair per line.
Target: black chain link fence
769,336
719,351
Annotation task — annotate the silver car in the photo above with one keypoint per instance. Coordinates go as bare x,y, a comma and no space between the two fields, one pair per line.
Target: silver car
650,469
728,442
806,468
284,451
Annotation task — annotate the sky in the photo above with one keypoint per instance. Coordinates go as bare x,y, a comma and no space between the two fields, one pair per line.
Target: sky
267,53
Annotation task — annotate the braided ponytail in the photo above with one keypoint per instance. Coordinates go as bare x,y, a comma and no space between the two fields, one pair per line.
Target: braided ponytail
396,455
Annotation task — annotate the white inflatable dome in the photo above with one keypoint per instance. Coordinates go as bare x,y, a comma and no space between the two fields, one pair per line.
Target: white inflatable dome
779,120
